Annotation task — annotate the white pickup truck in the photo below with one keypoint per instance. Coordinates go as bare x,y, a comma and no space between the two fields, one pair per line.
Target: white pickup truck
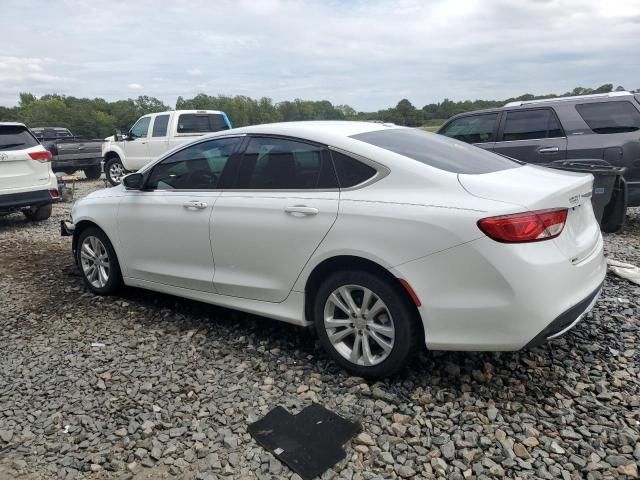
153,135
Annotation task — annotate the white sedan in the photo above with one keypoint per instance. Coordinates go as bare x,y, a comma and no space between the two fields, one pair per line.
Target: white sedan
382,237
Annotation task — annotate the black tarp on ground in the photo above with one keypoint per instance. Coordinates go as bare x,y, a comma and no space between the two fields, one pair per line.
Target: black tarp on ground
309,443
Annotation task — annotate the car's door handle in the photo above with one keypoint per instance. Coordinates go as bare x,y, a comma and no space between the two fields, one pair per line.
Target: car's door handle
299,210
548,150
195,204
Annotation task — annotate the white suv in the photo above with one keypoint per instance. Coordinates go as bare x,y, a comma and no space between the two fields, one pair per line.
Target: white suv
26,180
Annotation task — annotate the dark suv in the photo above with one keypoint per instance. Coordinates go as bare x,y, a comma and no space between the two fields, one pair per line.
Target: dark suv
602,126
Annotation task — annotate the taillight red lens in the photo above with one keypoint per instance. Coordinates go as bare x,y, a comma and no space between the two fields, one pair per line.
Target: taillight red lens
54,194
525,227
41,156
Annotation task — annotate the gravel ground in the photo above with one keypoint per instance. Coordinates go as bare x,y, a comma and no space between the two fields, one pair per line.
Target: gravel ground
173,384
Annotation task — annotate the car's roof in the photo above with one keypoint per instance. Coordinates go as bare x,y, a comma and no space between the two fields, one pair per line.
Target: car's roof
319,130
12,124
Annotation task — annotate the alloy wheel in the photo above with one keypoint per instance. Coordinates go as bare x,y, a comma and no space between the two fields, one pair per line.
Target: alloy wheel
359,325
95,262
116,172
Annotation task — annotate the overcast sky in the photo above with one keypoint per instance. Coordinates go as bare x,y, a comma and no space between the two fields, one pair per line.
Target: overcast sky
368,54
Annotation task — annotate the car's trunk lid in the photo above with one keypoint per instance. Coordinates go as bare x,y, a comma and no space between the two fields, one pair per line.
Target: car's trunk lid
539,188
19,171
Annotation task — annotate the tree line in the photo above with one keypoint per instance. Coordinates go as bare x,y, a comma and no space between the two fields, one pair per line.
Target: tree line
98,118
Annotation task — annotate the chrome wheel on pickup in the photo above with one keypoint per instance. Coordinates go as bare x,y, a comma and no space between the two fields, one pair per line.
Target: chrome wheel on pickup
114,171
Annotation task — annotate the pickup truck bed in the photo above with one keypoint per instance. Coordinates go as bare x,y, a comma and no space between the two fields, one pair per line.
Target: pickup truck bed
71,153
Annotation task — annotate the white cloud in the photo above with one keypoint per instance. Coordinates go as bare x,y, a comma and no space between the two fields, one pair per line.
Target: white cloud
364,53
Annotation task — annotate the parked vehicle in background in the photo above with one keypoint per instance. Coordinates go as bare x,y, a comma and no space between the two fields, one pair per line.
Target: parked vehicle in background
71,153
603,127
155,134
27,183
383,237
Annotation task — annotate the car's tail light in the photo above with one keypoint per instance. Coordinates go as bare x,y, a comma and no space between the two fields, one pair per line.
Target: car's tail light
525,227
41,156
54,194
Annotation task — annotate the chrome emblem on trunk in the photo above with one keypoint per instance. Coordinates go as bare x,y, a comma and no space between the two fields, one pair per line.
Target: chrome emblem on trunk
3,157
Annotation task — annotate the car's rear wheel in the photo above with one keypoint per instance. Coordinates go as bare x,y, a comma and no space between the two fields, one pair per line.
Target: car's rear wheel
365,323
98,262
93,173
114,171
37,214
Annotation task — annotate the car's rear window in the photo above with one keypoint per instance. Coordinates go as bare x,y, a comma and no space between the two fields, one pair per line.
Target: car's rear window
610,117
201,123
16,137
437,151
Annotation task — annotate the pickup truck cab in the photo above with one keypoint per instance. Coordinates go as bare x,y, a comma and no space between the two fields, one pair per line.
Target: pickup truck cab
153,135
71,153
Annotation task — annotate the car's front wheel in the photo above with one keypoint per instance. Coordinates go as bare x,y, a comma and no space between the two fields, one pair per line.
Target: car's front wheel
98,262
114,171
365,323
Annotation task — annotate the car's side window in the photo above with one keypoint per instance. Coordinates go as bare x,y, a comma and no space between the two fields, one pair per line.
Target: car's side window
160,126
198,167
531,125
280,164
141,128
610,117
351,172
473,128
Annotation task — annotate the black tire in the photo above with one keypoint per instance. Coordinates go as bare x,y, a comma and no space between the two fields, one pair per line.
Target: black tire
403,313
108,170
93,173
114,281
37,214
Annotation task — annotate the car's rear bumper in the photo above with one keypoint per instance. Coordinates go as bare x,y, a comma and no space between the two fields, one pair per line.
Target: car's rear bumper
16,201
484,295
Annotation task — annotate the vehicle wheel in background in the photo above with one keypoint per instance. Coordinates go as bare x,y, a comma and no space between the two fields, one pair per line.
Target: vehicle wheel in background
98,262
93,173
365,323
37,214
114,171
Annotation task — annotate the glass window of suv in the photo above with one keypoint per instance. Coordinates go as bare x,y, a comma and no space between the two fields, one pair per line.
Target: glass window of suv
278,163
350,171
473,128
201,123
141,128
160,126
197,167
610,117
531,125
16,137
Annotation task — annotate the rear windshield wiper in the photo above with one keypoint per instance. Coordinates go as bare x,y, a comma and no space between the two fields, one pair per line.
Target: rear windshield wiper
8,145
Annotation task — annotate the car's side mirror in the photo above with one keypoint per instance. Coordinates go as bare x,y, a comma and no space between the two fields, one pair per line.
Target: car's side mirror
133,181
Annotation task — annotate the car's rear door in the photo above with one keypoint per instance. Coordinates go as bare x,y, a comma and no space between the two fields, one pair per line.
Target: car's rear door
531,135
266,227
18,171
479,129
164,229
158,142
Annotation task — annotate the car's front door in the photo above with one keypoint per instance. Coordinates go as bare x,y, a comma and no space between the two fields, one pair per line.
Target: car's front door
164,229
265,229
532,135
478,129
136,148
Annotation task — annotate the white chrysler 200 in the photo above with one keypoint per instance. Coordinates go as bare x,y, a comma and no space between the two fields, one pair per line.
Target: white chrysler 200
382,237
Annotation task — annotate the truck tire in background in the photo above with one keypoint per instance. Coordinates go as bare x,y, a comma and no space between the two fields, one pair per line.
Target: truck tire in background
93,173
114,170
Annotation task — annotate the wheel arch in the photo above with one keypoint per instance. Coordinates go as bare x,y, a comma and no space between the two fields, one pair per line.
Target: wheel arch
352,262
80,227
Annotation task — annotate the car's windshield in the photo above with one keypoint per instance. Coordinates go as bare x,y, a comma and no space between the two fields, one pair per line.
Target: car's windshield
437,151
